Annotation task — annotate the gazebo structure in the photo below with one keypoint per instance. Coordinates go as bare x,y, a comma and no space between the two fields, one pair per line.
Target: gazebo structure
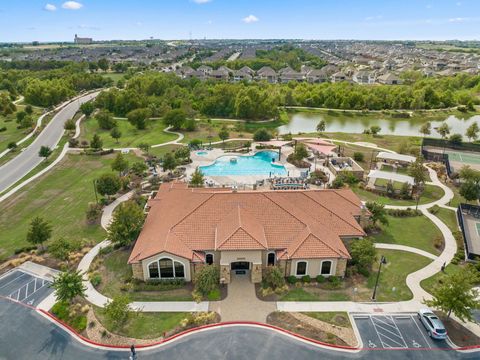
276,144
318,145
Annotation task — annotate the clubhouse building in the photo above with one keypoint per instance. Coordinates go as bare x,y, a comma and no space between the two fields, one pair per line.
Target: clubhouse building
303,232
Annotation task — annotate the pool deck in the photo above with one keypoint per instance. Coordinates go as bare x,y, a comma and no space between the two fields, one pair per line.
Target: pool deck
229,180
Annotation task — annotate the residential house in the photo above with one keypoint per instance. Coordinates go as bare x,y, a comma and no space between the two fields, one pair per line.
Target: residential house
303,232
268,74
363,77
338,77
389,79
316,76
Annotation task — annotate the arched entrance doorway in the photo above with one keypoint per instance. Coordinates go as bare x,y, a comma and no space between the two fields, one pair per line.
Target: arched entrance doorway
240,267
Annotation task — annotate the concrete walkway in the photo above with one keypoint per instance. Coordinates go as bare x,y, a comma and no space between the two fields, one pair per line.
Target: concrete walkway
405,248
242,304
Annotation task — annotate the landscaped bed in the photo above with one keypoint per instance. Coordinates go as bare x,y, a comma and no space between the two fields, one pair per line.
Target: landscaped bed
112,276
392,284
430,194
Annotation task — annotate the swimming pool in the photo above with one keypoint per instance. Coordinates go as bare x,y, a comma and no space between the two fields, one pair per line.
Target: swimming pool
202,153
258,164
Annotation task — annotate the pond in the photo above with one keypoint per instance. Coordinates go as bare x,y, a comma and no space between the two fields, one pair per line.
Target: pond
306,122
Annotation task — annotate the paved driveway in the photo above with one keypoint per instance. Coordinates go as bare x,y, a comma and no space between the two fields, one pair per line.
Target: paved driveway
24,162
27,335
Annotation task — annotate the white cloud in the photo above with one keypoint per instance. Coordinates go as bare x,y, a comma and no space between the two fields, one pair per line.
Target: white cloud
201,1
250,19
457,20
370,18
72,5
50,7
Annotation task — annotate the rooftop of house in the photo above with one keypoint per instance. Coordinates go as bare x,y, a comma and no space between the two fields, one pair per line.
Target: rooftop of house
299,224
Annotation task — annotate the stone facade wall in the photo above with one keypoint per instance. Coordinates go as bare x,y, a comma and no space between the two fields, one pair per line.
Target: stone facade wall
225,273
341,267
137,270
256,273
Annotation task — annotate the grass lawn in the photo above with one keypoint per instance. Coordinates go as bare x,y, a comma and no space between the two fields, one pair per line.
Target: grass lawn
430,194
114,76
384,182
115,273
414,231
430,283
398,170
13,134
391,142
131,137
162,150
334,318
392,285
61,196
457,198
207,131
449,217
143,325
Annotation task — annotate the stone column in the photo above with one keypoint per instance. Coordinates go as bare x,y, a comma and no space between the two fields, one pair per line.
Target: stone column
137,271
341,267
256,273
225,273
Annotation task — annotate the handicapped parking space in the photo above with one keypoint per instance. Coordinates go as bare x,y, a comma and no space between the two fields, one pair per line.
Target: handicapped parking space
399,331
21,286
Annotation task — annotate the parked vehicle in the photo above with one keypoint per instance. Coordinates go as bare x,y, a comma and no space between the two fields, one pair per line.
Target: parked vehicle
435,328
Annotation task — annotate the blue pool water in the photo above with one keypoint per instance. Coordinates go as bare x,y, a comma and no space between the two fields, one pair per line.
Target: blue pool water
202,153
258,164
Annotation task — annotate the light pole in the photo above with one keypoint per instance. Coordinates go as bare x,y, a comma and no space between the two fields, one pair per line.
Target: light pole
383,260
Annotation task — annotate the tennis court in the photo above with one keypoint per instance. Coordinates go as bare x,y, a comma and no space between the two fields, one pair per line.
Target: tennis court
466,158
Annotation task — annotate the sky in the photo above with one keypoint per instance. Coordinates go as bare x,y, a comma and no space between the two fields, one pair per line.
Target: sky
59,20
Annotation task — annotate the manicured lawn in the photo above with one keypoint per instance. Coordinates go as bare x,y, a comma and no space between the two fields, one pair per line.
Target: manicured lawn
392,284
162,150
143,325
61,196
415,231
13,134
299,294
457,198
114,76
116,275
449,217
430,283
207,131
391,142
131,137
384,182
398,170
334,318
430,194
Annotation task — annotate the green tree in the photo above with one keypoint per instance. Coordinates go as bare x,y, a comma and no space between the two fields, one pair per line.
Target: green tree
363,253
169,162
444,130
69,125
103,64
470,190
455,294
197,178
426,129
126,224
139,117
87,108
144,147
300,152
108,184
105,120
262,135
68,285
455,139
375,129
472,131
96,142
175,118
223,134
139,168
378,213
120,164
61,248
417,172
207,279
321,126
116,134
29,109
117,310
39,232
273,277
44,152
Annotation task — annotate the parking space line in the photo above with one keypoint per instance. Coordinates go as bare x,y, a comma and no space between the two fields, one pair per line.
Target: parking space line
26,287
393,341
382,333
399,332
423,335
8,283
381,342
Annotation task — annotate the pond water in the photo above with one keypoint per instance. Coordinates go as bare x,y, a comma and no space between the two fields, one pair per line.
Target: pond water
306,122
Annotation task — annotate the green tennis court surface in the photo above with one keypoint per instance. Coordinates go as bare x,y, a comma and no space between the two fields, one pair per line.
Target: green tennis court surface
463,157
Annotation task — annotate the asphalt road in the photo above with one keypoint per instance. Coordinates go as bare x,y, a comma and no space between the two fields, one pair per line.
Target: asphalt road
24,162
25,334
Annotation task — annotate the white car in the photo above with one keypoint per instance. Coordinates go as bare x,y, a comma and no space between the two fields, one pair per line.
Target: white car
435,328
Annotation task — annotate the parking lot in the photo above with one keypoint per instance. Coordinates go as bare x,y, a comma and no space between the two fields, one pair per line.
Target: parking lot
399,331
21,286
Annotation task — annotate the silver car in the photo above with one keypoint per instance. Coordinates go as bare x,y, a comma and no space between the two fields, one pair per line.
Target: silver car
434,326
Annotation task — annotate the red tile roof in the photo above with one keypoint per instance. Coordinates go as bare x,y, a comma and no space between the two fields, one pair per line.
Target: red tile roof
297,224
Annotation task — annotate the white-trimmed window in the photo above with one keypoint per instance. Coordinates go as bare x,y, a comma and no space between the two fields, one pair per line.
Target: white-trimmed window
271,259
326,267
166,268
209,258
301,268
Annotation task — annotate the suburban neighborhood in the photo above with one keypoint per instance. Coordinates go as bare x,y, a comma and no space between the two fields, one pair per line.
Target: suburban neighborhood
257,191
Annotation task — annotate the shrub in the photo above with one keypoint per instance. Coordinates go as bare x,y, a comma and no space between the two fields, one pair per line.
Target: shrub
117,310
306,279
334,281
93,213
320,279
95,279
409,212
262,135
358,156
292,279
71,315
198,319
2,129
25,249
207,279
106,250
60,248
363,254
264,292
273,277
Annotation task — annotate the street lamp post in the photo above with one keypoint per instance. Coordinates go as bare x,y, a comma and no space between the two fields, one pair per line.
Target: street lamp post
383,260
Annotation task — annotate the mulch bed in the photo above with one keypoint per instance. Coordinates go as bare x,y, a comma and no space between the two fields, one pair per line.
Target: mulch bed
459,335
288,322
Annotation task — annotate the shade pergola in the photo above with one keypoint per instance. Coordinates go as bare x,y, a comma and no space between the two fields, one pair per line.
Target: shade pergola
320,146
391,176
396,157
274,143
